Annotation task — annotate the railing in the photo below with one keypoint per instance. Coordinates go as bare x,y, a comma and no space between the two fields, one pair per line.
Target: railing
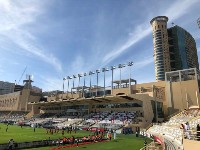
29,144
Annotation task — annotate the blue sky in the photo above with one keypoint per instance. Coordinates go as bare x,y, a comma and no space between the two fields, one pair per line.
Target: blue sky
58,38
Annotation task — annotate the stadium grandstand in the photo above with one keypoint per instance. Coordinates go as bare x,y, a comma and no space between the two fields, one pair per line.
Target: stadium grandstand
157,109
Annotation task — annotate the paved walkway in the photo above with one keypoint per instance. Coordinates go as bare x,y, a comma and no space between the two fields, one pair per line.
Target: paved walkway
191,144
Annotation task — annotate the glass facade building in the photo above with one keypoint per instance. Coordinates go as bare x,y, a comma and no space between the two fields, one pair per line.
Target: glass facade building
183,51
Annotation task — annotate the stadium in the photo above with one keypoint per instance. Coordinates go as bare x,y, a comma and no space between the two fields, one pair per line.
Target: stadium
121,114
151,109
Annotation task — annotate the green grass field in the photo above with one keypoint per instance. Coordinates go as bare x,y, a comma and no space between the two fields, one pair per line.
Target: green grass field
123,142
26,134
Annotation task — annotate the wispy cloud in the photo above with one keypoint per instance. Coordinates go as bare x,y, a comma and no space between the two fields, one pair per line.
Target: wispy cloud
50,83
179,8
15,16
138,34
144,62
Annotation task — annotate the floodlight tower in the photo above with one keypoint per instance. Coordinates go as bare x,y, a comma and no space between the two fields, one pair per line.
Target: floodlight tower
90,74
97,71
130,64
120,66
112,69
68,78
104,71
84,74
63,86
74,76
79,77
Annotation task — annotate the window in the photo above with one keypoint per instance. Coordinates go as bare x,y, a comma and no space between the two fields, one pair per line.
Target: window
158,26
162,26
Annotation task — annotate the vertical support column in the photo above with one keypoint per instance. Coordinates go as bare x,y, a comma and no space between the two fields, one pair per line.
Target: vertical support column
179,73
197,96
154,96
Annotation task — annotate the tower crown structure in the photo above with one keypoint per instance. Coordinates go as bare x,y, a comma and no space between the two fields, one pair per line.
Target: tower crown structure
159,18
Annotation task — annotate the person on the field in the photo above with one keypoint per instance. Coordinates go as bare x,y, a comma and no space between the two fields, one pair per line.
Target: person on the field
10,144
84,139
72,139
70,130
64,140
93,138
58,142
110,136
89,138
77,141
187,128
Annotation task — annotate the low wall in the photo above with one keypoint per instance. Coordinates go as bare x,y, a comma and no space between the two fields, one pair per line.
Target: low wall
28,144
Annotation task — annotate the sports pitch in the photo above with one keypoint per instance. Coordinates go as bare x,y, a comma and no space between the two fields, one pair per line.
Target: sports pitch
26,134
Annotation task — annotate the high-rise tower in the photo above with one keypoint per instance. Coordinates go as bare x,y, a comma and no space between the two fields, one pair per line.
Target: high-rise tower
174,48
161,46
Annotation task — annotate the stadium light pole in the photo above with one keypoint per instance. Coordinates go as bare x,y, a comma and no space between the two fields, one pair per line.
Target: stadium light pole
104,71
84,74
68,78
79,78
112,69
97,71
130,64
90,74
120,66
83,88
63,86
74,76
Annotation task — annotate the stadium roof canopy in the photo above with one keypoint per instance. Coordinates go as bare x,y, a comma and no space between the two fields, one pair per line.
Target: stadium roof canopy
102,99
